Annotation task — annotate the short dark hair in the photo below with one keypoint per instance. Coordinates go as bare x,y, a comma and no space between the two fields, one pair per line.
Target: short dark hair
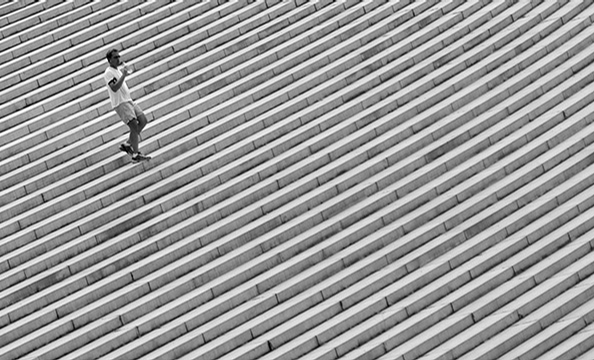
110,54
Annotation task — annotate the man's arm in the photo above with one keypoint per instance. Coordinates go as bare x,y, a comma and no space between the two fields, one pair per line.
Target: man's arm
115,85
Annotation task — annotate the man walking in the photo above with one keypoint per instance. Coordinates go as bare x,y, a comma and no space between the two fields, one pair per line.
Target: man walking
130,113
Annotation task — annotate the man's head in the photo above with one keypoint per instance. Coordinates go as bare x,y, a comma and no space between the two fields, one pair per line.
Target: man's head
113,58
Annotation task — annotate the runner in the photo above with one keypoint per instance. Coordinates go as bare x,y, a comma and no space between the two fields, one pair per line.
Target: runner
130,113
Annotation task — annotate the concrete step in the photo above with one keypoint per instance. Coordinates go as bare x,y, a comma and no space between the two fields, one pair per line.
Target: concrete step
19,63
8,7
59,129
411,264
85,55
41,81
19,16
378,301
40,34
576,297
562,329
47,21
544,308
579,347
566,237
59,142
499,317
94,63
69,181
56,67
162,278
135,306
533,323
403,251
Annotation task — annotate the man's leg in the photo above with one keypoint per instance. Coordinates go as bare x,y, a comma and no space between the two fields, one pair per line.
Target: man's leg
139,115
126,112
136,125
142,121
135,129
134,134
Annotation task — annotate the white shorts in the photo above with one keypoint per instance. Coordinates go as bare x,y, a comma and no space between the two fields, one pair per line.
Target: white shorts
128,111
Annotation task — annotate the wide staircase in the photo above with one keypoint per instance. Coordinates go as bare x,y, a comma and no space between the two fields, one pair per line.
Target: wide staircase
389,180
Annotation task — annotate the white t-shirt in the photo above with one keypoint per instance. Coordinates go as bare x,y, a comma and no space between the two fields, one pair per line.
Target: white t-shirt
112,75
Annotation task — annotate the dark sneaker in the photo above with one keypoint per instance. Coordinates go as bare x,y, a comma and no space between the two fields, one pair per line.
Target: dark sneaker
126,148
138,157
